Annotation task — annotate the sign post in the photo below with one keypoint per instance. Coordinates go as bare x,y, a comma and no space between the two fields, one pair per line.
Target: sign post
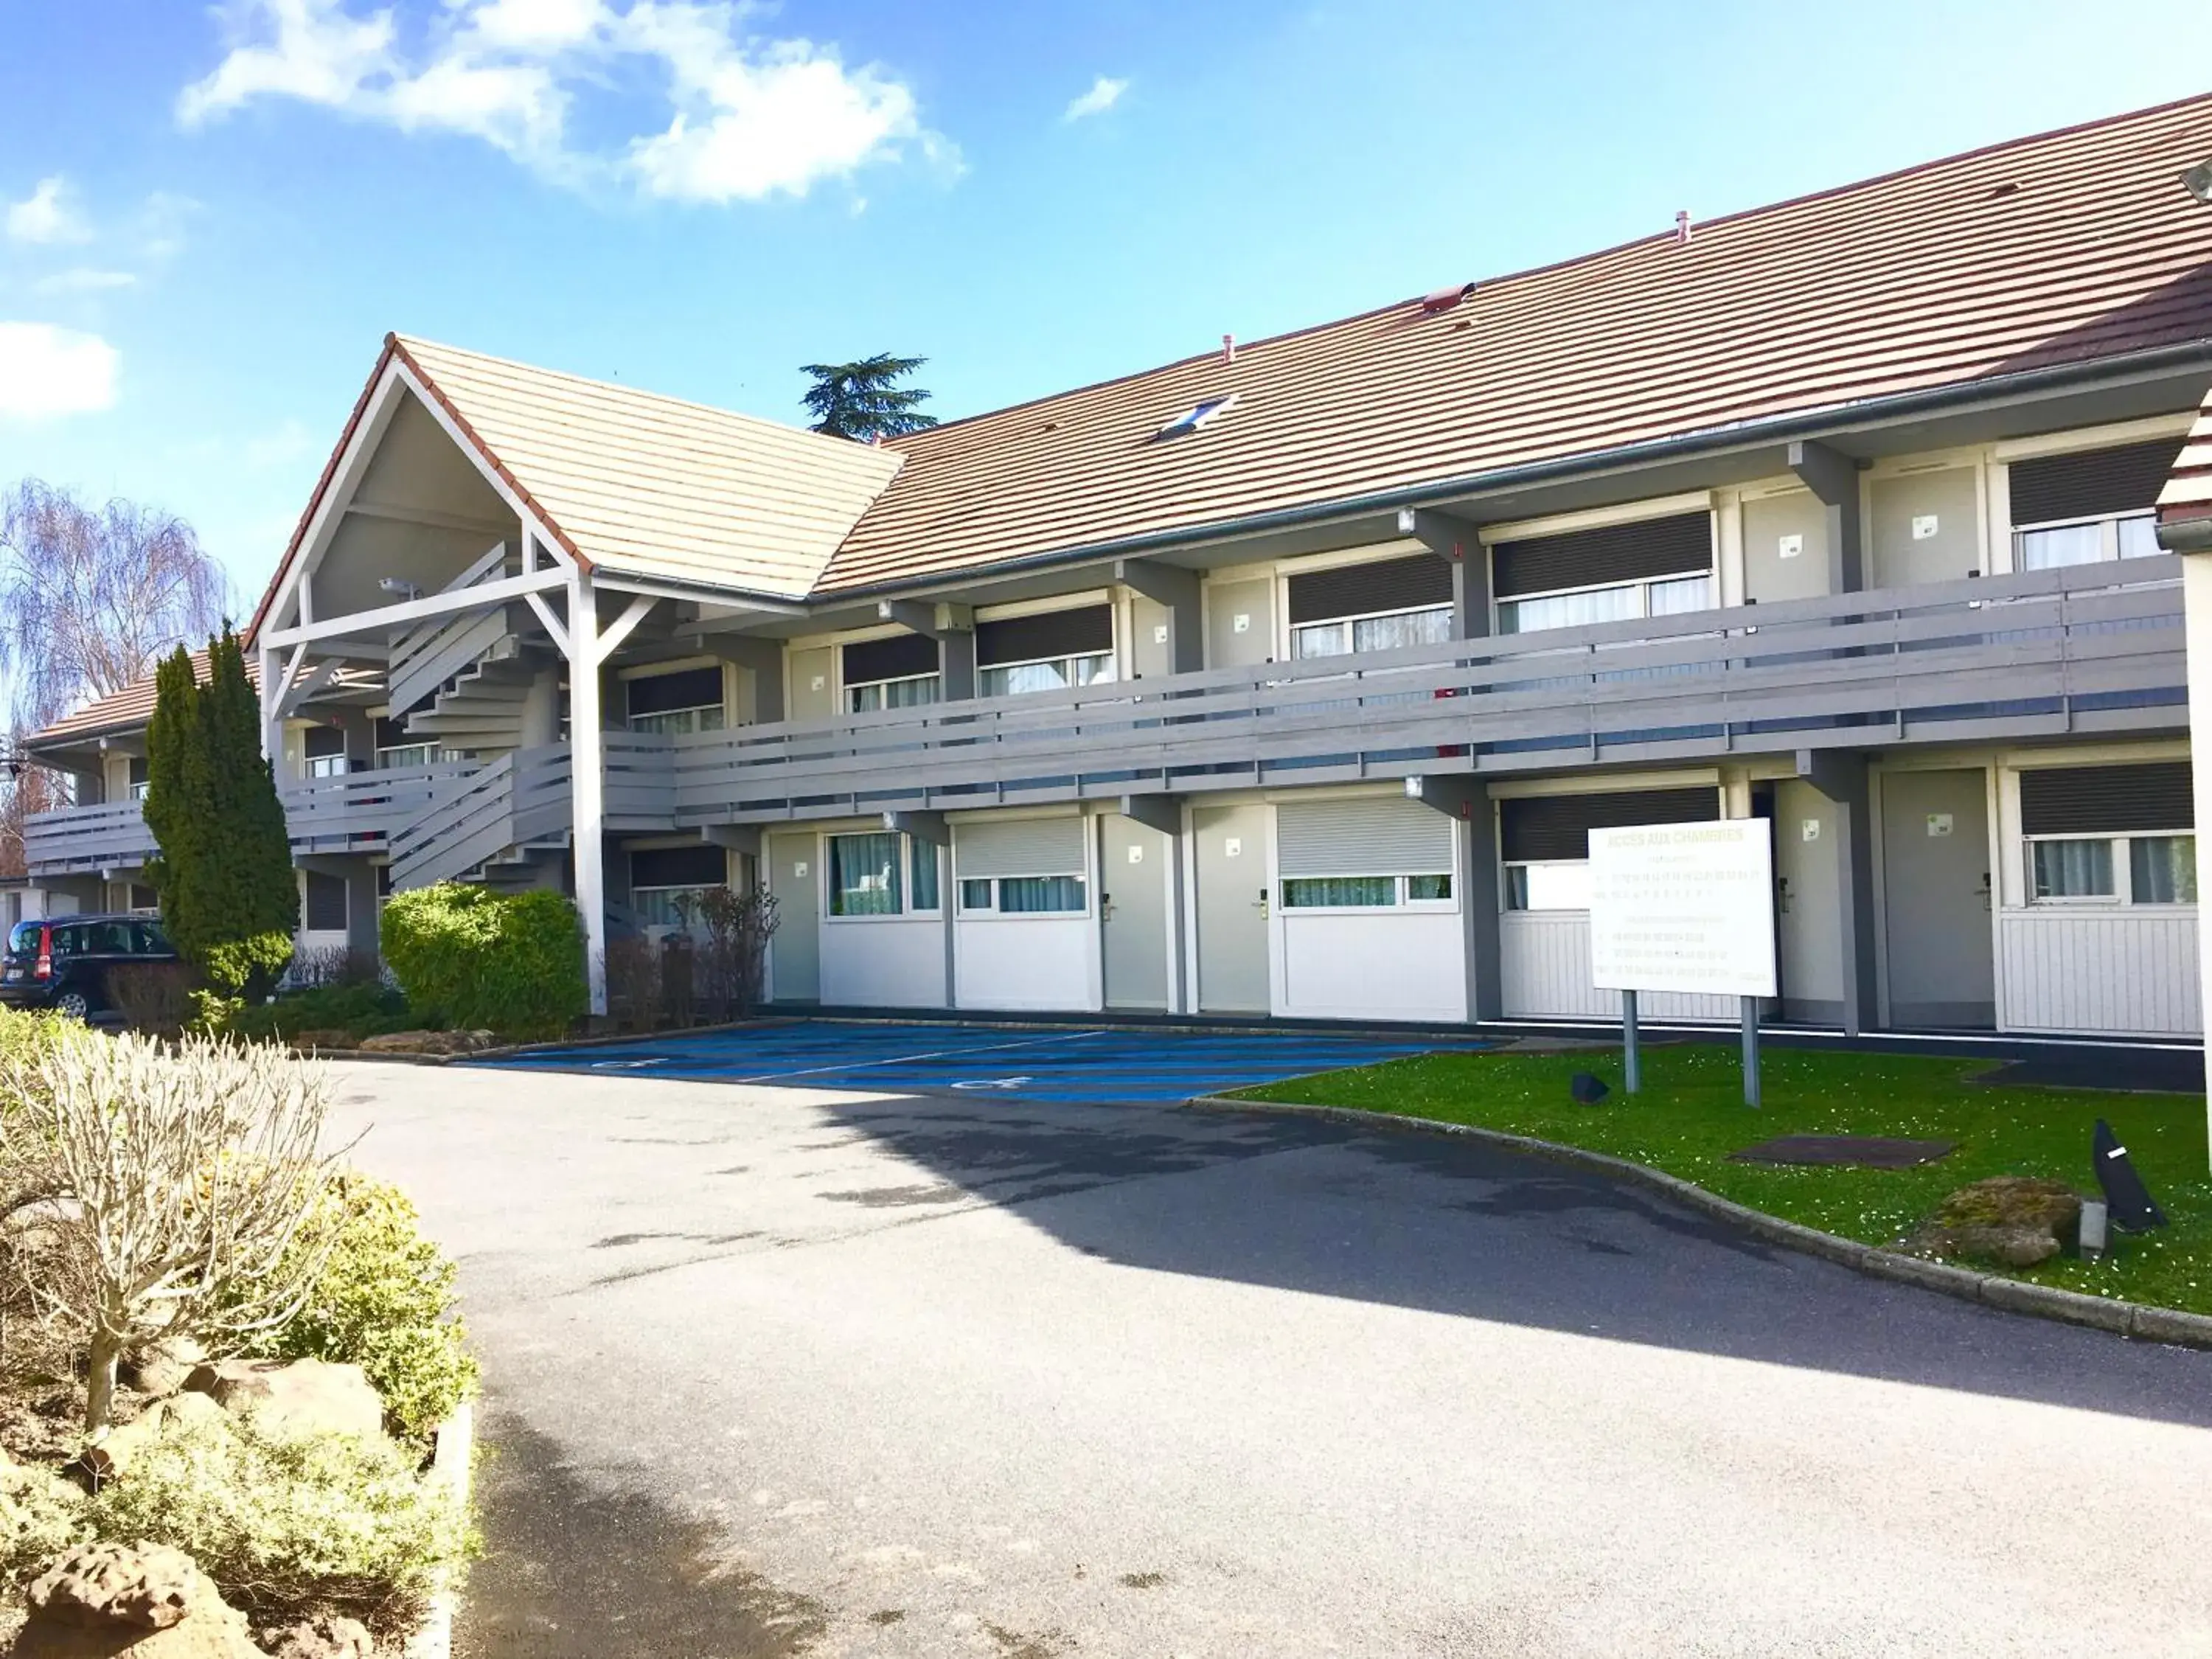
1631,1053
1687,908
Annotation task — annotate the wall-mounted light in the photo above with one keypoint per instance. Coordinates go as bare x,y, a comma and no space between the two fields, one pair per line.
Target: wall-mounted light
405,590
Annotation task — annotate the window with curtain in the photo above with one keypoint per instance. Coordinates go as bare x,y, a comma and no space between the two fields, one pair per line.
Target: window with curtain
915,693
922,884
1430,626
864,875
1034,895
1055,674
2072,869
688,700
2089,506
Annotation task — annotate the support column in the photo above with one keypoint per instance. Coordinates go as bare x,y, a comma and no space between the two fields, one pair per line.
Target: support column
1175,591
587,784
1458,543
1842,777
1834,478
540,721
953,627
1466,800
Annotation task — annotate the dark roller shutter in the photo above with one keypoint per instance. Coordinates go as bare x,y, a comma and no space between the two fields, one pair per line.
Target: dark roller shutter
2103,801
1558,826
325,908
898,657
692,688
1079,633
1677,546
2097,481
393,734
678,866
322,742
1361,590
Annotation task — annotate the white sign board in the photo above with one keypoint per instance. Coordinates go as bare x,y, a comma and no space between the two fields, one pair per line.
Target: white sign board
1683,907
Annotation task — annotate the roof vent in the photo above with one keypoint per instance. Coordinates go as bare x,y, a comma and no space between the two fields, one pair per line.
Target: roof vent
1445,298
1682,227
1228,348
1196,416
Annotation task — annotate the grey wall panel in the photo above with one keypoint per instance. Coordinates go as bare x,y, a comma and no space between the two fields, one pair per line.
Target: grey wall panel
1951,498
1134,904
2122,972
1770,574
795,952
1936,897
1240,623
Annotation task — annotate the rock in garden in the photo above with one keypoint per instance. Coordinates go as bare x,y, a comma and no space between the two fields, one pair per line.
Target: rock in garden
146,1600
162,1367
427,1042
301,1395
2014,1220
114,1452
320,1638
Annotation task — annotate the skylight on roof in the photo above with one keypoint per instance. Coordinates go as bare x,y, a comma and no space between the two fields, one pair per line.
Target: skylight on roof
1196,416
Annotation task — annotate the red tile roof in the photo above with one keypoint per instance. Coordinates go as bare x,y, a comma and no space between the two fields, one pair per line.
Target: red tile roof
2043,251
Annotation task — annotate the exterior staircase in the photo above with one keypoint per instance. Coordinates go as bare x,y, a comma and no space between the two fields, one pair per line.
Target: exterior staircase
500,826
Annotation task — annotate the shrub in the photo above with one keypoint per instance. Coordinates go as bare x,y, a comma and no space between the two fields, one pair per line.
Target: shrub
41,1517
191,1172
634,983
732,958
322,967
291,1524
511,962
247,966
356,1008
382,1299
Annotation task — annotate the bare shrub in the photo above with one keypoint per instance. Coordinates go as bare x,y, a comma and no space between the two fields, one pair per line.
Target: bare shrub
634,983
325,967
155,997
181,1178
730,964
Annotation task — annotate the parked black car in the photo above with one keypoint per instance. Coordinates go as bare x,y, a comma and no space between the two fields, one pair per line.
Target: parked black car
64,963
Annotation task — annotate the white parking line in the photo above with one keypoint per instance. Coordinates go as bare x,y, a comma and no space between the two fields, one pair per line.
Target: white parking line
901,1059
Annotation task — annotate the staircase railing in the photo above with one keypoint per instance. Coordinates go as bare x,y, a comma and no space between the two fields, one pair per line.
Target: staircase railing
424,657
518,800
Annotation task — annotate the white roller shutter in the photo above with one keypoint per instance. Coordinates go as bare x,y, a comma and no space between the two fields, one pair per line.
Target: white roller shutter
1019,846
1378,835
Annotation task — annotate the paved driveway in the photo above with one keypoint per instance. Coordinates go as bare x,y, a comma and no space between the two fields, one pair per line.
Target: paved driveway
774,1372
1120,1065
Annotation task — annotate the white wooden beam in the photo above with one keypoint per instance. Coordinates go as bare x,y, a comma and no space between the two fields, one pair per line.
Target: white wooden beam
552,622
623,626
295,694
587,784
435,604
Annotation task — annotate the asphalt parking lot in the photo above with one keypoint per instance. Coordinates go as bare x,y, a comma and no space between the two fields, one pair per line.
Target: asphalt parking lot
1125,1064
775,1371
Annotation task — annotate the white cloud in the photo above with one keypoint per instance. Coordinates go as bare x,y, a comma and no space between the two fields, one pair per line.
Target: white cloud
47,215
304,49
745,118
47,371
83,279
1105,93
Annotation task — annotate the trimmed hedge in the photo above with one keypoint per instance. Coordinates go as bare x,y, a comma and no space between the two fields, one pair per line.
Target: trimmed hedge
510,963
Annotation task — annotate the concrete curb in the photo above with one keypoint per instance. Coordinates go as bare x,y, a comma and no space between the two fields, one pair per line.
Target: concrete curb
451,1465
2131,1319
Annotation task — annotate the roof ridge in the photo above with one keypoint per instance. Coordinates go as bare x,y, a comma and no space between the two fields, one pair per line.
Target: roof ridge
1589,256
409,341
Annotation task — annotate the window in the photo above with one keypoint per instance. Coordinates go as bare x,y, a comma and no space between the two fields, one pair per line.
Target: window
1376,606
1050,650
1672,596
324,909
864,875
921,864
396,747
1196,416
900,672
143,897
689,700
1611,573
323,749
138,777
666,883
1017,896
2110,835
2088,507
1383,633
1362,852
1561,885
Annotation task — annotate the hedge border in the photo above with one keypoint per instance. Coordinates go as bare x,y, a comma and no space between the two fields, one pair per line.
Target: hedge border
2128,1319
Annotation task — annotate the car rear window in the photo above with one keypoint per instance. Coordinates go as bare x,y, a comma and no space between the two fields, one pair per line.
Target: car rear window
23,938
151,940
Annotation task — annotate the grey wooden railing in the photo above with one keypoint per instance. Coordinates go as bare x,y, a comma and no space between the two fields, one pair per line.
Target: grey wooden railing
2094,647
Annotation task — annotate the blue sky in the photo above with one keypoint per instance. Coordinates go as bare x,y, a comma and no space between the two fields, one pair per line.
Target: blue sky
210,216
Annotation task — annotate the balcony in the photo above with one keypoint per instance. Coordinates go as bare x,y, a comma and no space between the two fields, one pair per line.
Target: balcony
2092,648
358,812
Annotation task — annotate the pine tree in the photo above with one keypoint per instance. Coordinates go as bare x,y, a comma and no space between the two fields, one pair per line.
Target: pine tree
229,901
861,400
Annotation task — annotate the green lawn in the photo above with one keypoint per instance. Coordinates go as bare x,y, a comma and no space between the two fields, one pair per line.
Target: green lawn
1690,1116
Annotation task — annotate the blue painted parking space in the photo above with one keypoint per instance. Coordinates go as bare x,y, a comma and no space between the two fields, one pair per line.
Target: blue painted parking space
1089,1064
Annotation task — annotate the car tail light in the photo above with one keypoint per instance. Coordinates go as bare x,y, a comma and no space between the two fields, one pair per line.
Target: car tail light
45,968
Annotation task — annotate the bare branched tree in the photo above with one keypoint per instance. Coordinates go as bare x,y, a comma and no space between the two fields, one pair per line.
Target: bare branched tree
89,599
181,1181
24,789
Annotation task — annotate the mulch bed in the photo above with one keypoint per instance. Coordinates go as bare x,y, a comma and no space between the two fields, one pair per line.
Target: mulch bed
1868,1152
